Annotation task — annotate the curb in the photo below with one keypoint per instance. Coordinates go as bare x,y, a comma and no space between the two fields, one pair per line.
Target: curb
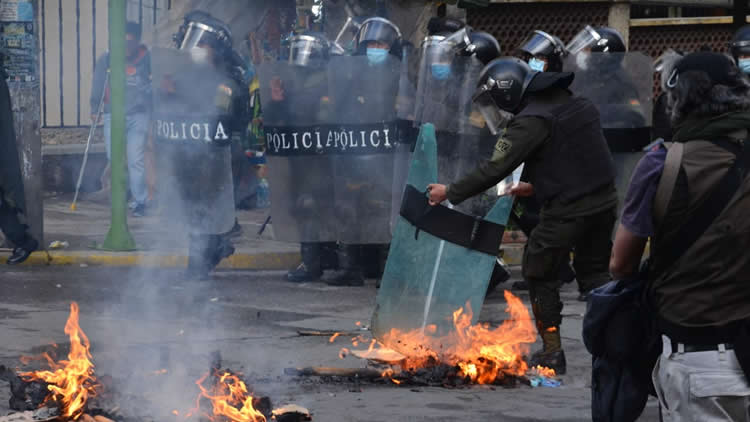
512,255
260,261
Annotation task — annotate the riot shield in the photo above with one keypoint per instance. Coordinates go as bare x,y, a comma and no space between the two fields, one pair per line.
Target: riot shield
621,86
426,277
193,129
297,115
365,98
331,143
444,99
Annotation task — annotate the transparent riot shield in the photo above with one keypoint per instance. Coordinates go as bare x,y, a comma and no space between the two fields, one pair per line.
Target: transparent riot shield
193,129
366,135
297,116
445,87
426,278
621,86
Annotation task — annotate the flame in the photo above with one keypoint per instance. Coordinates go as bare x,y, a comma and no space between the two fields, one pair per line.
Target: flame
481,353
229,399
333,337
71,382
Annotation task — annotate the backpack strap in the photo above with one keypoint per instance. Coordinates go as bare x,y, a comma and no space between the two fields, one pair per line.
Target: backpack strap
668,180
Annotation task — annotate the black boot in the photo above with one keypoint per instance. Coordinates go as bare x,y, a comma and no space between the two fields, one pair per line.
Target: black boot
351,272
310,268
21,254
551,356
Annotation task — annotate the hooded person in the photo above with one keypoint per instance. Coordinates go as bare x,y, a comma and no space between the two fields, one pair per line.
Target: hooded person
12,198
534,116
690,200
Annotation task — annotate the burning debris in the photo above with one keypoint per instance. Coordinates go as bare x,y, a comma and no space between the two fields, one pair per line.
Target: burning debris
69,391
70,382
469,354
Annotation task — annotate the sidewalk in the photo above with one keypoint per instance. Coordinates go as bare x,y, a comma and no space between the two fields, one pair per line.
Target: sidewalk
88,226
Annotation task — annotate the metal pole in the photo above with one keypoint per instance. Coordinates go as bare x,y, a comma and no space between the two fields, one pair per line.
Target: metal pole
118,238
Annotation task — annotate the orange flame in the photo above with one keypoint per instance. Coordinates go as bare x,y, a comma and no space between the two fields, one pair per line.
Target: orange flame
229,399
333,337
481,353
71,382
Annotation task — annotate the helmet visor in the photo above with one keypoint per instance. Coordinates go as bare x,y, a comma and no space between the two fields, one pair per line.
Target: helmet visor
587,38
459,40
435,50
306,51
538,43
494,116
380,30
198,35
345,37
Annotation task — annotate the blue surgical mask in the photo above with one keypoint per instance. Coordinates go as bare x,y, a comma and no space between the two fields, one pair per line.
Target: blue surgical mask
376,55
536,64
441,71
744,65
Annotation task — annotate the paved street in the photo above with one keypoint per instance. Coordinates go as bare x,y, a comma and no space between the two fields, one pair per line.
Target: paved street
140,322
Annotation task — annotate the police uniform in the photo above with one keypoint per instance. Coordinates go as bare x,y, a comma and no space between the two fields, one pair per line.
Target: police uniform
559,138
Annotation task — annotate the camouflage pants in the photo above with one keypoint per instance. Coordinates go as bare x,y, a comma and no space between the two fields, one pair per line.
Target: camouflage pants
549,248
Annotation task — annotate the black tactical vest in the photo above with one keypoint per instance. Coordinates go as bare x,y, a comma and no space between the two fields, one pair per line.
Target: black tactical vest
575,161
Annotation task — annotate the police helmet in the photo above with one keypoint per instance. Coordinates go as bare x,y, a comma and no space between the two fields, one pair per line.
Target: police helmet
740,44
310,49
598,40
484,46
443,26
379,30
500,90
200,28
540,43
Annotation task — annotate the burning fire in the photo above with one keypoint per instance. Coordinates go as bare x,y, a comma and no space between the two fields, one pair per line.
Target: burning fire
482,353
71,382
230,400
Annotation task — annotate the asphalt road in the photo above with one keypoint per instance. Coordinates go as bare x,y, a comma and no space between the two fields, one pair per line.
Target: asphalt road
140,322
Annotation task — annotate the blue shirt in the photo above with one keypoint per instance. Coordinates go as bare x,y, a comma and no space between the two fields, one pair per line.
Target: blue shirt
637,212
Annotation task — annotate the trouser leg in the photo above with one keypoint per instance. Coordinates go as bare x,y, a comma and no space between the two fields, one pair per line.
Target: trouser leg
593,250
12,227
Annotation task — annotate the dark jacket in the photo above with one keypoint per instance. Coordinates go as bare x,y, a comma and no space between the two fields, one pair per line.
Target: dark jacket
11,178
702,295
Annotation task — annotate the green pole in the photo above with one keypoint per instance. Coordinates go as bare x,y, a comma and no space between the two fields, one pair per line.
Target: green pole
118,238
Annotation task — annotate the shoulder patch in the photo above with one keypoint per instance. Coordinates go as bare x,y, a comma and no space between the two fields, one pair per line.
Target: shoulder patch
503,146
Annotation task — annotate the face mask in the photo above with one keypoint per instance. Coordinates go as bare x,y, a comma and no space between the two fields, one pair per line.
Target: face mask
441,71
582,60
199,55
744,65
536,64
376,55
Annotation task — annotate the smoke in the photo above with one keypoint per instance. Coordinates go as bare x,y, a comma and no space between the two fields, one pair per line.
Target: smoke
160,337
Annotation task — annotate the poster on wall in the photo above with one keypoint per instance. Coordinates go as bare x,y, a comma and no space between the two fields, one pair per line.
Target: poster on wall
17,50
16,11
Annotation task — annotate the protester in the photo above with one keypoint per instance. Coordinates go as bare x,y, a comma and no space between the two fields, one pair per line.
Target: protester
12,198
137,111
691,199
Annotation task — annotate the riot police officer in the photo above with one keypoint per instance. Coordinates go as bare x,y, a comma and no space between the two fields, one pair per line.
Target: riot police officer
543,52
310,50
740,48
196,174
572,176
377,39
